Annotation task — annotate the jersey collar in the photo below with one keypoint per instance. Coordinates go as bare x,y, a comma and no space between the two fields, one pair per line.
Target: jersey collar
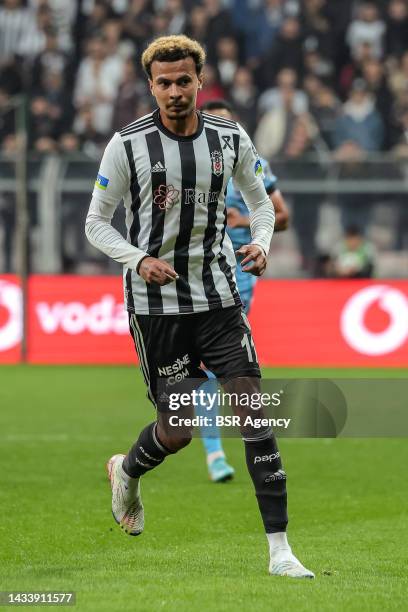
158,122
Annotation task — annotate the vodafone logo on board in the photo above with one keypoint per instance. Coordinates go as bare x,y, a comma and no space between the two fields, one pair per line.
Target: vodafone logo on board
104,316
353,320
11,315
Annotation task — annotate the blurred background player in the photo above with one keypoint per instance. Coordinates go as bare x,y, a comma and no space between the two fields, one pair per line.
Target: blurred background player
238,229
354,256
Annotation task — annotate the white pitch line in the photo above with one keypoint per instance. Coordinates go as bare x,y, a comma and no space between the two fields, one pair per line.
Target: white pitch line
52,438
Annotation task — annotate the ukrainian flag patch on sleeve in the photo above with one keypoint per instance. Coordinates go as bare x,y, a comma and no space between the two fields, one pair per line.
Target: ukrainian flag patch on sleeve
258,168
101,182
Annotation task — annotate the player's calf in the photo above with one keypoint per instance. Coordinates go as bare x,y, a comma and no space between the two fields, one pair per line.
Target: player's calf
265,467
174,428
146,453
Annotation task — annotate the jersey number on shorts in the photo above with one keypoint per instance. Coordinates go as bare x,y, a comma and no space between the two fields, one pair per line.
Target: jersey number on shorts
247,342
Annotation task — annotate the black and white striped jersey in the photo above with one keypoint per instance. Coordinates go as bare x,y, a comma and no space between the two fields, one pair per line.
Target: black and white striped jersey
173,189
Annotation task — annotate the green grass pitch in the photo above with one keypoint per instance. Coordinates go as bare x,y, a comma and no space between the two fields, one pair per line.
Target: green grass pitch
203,547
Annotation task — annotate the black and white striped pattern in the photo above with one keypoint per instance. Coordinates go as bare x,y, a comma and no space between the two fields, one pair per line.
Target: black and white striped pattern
175,211
219,121
137,126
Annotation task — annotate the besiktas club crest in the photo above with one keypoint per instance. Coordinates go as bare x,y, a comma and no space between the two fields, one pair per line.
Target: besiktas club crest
217,163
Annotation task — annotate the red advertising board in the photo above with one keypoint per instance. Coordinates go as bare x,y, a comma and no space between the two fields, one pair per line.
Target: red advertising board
76,319
11,328
331,323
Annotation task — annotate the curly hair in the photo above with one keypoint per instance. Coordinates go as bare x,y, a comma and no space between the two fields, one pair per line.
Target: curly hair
172,49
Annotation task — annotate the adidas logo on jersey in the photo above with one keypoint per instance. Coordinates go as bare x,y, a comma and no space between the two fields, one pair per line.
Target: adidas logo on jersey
158,167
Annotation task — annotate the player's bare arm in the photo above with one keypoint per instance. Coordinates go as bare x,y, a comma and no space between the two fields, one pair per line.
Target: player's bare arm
236,219
281,211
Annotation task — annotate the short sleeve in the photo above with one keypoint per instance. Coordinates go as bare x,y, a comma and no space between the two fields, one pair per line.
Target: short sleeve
113,179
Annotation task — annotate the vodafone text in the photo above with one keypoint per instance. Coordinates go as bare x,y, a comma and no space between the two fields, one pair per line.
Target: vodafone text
102,317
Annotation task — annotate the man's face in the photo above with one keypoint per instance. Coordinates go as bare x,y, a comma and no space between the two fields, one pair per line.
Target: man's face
96,49
287,84
373,70
358,96
398,10
175,86
353,242
286,79
369,12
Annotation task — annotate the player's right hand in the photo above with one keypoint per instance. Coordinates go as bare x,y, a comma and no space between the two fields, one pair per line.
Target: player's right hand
157,272
254,253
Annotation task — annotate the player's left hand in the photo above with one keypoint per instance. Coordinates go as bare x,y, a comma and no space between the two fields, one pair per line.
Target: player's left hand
254,253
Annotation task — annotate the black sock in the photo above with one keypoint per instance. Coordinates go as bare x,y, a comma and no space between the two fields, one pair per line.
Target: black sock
146,454
265,466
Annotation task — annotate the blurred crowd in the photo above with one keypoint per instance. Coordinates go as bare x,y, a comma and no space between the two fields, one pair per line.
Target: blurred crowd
303,75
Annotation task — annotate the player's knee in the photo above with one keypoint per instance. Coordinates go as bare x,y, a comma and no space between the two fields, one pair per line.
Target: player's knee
184,441
253,435
176,443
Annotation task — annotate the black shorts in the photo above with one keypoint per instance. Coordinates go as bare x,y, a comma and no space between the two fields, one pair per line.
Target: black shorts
172,347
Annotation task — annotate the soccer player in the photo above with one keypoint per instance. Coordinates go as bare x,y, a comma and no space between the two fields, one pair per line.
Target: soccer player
238,229
171,168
